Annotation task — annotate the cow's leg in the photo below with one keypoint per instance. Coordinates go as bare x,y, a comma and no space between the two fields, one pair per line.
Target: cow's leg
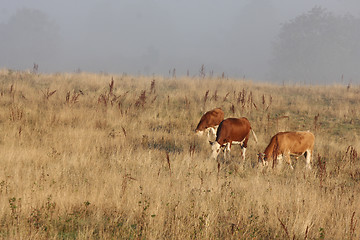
243,153
308,159
279,160
245,141
227,151
288,159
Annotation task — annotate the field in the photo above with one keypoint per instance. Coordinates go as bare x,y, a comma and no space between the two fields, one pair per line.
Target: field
98,156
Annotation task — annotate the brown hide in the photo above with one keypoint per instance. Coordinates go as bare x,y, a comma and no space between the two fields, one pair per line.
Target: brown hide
233,129
285,143
211,118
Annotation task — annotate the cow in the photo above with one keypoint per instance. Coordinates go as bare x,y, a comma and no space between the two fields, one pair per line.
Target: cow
232,131
284,144
209,122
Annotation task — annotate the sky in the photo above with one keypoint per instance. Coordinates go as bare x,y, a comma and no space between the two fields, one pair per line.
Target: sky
150,37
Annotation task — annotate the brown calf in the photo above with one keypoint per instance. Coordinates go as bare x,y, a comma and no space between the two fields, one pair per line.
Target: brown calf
284,144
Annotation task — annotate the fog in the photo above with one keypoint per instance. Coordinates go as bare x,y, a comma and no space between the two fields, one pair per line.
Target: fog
240,38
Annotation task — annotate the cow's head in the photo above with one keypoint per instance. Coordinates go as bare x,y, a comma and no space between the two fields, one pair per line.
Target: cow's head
215,147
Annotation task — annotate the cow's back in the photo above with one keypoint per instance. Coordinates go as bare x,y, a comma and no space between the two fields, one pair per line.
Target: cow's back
215,116
295,142
233,129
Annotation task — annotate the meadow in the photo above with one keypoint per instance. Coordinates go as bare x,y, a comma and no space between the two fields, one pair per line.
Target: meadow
99,156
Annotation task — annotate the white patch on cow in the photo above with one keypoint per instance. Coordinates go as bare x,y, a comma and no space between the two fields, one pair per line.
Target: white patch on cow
238,143
279,158
199,133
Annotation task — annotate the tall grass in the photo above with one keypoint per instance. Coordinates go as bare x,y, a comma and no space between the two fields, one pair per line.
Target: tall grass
104,157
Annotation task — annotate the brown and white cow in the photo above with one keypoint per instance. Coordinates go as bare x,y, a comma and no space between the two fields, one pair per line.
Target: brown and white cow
284,144
209,122
232,131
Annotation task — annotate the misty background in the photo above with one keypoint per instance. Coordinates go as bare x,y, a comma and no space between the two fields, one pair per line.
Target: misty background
307,41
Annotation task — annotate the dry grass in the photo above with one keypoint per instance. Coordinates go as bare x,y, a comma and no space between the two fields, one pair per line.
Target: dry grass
105,157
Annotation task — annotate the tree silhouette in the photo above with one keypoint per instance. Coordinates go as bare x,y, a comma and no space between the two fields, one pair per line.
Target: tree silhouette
29,36
317,47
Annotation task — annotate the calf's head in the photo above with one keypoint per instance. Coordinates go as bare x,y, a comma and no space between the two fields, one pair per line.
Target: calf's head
262,159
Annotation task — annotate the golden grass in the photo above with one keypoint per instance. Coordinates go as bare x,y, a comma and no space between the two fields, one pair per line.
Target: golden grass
97,161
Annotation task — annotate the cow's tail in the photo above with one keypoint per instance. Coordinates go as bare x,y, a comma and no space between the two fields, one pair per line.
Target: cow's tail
254,135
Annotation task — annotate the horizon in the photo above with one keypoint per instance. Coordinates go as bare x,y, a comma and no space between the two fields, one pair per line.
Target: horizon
155,37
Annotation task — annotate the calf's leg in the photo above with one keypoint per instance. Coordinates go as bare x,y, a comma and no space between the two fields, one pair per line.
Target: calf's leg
308,158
